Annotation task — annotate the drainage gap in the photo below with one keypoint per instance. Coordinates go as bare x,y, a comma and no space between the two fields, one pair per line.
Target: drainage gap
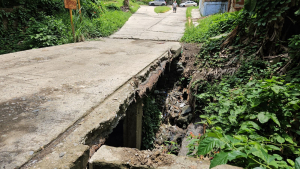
115,139
162,120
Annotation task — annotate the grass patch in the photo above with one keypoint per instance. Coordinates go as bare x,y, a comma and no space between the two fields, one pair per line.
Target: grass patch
209,26
111,22
52,26
162,9
189,11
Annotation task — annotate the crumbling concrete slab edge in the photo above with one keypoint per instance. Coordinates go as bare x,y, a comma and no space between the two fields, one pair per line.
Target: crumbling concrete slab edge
93,124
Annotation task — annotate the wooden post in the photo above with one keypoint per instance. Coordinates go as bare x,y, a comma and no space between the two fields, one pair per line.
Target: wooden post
71,4
73,30
79,10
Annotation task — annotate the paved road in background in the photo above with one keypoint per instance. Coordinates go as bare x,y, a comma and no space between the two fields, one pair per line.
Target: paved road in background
44,91
146,24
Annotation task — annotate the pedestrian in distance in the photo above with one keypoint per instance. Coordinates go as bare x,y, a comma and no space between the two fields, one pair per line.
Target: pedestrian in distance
174,6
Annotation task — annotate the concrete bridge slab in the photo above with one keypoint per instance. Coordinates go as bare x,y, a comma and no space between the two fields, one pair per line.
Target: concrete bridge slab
44,92
146,24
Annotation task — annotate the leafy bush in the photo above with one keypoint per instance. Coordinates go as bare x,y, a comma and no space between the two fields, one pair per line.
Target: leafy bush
93,9
211,26
133,7
162,9
47,32
256,123
111,21
294,45
112,7
45,23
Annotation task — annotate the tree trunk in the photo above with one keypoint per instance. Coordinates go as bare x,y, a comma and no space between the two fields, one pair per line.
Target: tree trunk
126,3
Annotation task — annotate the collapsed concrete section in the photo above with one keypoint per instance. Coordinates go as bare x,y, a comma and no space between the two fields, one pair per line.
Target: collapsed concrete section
123,158
58,102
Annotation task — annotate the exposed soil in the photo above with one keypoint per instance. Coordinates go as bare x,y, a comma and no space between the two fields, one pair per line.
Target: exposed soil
177,104
172,94
147,158
188,58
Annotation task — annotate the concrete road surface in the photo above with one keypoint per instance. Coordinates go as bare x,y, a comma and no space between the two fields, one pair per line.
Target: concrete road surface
146,24
44,91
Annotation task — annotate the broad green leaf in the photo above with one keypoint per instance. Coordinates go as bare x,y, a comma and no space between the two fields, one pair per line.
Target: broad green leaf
234,154
203,116
273,147
280,139
242,138
226,103
215,134
258,168
240,109
278,157
291,162
274,164
250,151
258,154
267,158
193,141
275,89
219,159
250,124
207,145
297,163
263,117
288,138
296,106
231,139
274,118
232,119
255,102
251,82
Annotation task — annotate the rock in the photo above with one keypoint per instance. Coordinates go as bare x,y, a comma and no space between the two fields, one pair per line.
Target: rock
62,154
196,129
184,119
179,71
169,133
185,110
120,158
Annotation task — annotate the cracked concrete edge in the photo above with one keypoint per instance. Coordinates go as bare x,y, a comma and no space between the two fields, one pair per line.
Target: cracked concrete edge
99,122
175,51
133,38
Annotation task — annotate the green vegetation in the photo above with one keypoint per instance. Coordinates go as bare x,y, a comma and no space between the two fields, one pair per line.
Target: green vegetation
209,26
249,95
249,120
47,23
151,122
162,9
189,11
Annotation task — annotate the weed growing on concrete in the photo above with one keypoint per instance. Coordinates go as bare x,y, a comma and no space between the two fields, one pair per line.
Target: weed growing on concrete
162,9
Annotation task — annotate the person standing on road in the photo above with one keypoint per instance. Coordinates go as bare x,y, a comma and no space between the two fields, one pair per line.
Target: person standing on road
174,6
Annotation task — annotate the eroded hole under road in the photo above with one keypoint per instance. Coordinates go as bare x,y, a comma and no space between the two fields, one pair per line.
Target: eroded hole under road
159,120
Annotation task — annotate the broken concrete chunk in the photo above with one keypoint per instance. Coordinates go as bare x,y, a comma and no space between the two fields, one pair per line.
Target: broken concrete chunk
123,158
186,109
